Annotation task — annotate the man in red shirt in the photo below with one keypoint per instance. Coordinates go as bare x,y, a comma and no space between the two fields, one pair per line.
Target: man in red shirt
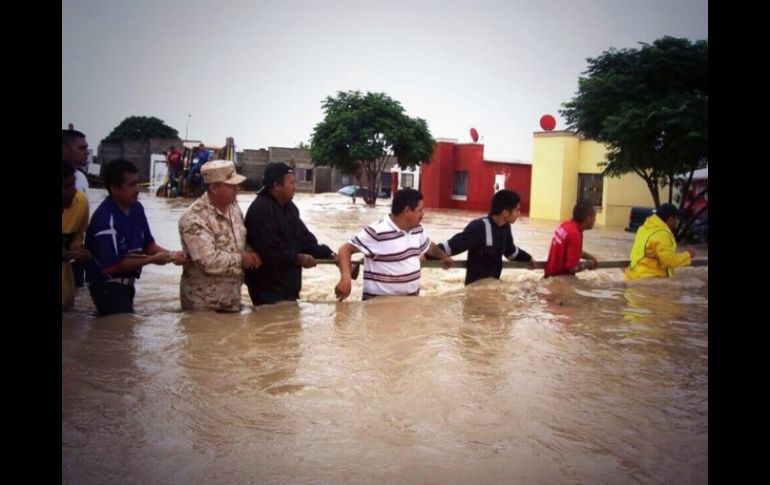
174,162
567,244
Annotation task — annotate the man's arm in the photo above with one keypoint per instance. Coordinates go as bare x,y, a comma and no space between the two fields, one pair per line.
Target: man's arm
664,251
469,238
250,259
591,262
132,261
436,252
342,290
572,245
176,257
515,253
149,246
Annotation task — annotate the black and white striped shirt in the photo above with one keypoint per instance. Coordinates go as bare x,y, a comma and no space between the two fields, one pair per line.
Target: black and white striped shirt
391,258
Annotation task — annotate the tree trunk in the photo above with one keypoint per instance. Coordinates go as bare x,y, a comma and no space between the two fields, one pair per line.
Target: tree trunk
653,188
356,184
371,196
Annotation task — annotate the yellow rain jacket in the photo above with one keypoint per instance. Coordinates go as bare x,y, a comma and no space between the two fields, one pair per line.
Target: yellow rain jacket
74,222
654,251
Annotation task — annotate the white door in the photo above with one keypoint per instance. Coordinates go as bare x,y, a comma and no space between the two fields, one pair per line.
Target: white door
499,182
158,169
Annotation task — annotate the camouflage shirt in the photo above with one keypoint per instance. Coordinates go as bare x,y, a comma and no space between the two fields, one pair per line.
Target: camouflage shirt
213,275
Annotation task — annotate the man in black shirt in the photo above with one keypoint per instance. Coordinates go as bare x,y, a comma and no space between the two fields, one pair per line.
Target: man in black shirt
489,238
275,231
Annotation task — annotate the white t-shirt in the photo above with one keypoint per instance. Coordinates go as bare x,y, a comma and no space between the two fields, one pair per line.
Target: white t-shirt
391,258
81,182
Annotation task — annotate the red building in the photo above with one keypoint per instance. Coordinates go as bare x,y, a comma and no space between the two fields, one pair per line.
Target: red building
458,177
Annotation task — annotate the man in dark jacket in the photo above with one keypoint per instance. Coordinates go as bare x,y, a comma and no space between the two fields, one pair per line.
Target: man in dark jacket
275,231
488,239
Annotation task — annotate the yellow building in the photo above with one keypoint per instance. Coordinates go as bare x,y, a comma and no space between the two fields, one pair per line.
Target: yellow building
565,170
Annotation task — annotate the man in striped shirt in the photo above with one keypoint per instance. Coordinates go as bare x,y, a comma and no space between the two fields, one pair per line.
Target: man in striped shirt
392,248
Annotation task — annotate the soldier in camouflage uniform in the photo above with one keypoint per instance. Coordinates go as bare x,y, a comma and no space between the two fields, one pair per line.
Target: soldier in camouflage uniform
214,238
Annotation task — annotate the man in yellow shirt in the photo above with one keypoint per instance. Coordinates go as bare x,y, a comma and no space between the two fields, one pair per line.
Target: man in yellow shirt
74,222
654,250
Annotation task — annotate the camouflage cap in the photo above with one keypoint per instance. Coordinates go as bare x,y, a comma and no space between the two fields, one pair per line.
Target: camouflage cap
221,171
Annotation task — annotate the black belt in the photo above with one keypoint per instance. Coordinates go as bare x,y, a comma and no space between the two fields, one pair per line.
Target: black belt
122,281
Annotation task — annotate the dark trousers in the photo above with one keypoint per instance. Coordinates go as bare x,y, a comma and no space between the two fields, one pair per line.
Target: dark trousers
79,272
265,297
111,298
173,175
191,174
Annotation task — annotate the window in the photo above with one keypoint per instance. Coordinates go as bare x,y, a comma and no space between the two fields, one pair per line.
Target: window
460,183
304,175
590,187
407,180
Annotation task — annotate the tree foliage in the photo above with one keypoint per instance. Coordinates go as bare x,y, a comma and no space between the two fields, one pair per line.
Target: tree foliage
360,131
649,106
140,128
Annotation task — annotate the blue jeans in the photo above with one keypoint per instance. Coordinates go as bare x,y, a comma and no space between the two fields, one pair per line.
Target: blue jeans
193,170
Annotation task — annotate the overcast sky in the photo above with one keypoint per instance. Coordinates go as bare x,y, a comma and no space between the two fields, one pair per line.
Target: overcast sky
258,70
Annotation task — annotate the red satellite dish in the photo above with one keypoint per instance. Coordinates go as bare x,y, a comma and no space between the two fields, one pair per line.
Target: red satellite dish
474,135
547,122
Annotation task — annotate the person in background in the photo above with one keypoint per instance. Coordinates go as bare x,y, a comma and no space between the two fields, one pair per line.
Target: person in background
120,242
214,238
174,164
489,238
203,154
200,157
566,248
74,222
392,249
653,252
74,149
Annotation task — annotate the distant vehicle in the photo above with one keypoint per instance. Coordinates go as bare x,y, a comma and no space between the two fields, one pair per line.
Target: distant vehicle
637,216
695,200
349,190
176,188
698,232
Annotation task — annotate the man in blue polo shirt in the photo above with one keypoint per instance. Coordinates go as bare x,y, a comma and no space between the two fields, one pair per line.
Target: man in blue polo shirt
120,242
202,156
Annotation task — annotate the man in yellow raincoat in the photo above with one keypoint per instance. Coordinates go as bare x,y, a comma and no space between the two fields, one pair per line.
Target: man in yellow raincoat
654,250
74,222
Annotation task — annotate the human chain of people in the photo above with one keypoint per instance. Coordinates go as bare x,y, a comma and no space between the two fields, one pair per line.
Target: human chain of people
267,248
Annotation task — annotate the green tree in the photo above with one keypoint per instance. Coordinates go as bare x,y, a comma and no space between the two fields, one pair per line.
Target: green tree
360,131
649,106
140,128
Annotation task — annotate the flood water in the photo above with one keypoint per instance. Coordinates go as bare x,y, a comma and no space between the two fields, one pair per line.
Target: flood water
523,380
